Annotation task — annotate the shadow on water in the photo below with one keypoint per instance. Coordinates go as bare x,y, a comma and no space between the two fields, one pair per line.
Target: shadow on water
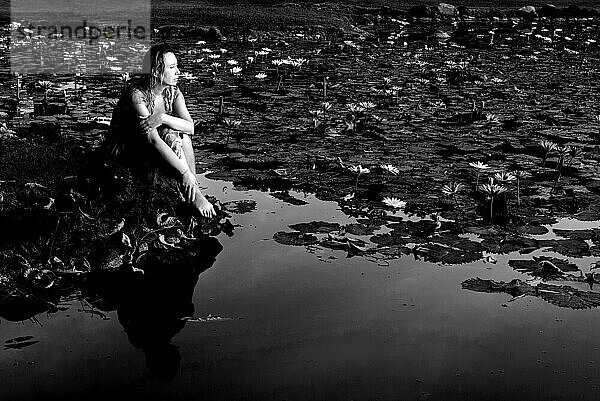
154,306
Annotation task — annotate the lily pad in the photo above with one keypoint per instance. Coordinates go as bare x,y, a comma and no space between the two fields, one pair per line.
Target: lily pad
510,244
563,296
576,234
437,253
361,229
240,206
287,198
295,238
568,247
568,297
532,230
317,227
533,265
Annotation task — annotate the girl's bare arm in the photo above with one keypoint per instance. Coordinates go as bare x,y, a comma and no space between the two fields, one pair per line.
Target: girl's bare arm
181,119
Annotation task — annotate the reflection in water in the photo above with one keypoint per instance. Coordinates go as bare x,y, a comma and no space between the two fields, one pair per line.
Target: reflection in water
152,307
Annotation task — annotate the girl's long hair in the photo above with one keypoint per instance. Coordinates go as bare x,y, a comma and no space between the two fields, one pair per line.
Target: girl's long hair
154,68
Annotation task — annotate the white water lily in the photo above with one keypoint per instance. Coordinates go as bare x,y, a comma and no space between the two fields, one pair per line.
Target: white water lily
359,169
394,202
479,165
260,76
214,56
504,176
232,62
390,169
236,70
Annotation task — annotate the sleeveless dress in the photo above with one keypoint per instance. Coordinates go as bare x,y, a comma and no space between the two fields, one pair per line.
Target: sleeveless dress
125,140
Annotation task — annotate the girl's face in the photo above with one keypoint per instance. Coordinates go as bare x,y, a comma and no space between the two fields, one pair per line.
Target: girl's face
170,76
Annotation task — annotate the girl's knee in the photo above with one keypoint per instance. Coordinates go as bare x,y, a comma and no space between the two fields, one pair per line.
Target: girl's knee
187,140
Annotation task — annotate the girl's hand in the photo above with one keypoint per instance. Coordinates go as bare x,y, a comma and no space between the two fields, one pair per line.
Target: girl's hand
151,122
189,186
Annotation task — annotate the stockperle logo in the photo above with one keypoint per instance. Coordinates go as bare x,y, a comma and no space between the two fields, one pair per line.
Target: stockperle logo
63,37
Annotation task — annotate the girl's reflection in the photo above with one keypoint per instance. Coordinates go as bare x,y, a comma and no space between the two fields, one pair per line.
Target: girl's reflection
151,306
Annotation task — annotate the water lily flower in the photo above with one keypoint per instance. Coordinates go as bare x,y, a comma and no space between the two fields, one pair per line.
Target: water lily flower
250,59
206,50
232,62
367,105
125,77
390,168
236,70
201,42
260,76
492,190
547,147
325,106
504,176
359,169
223,51
479,166
354,108
452,188
214,56
394,202
215,66
231,123
519,175
492,118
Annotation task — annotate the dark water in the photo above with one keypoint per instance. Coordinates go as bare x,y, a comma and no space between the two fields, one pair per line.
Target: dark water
306,325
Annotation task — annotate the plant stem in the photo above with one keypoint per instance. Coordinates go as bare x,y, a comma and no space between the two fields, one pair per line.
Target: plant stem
492,209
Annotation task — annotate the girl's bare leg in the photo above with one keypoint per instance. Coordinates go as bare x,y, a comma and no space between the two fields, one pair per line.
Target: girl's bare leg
188,151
